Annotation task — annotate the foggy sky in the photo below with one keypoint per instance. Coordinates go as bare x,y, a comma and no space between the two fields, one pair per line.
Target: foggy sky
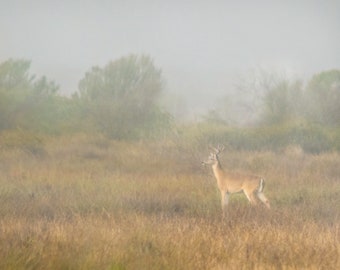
201,46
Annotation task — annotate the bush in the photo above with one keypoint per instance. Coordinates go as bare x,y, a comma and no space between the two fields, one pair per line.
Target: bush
311,138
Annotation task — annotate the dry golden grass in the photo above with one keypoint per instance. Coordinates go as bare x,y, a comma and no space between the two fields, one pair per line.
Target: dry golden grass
91,203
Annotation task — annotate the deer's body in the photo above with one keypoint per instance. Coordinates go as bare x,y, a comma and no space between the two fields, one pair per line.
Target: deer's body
230,182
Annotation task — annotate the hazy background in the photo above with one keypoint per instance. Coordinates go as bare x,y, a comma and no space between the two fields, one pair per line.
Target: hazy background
203,47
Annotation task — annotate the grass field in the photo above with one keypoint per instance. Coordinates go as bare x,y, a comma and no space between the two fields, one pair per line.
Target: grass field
84,202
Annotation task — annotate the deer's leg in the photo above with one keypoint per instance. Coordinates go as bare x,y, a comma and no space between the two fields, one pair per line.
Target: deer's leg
224,199
263,199
250,196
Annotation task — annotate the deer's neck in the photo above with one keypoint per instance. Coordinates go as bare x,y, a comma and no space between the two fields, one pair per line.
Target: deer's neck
218,171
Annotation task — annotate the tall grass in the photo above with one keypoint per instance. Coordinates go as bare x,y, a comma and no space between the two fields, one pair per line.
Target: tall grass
91,203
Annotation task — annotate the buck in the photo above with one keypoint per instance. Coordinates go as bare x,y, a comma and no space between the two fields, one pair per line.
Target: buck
230,182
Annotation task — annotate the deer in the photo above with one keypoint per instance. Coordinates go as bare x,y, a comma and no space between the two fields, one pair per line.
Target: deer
231,182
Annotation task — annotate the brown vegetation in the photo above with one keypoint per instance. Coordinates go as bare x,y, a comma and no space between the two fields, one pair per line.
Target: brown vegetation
92,203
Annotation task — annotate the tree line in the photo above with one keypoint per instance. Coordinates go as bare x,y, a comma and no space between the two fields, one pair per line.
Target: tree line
122,101
119,100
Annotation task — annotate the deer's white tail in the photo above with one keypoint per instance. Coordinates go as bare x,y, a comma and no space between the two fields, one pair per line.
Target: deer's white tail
261,187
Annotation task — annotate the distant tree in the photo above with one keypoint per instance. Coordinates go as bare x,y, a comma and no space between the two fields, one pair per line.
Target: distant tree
323,96
260,96
282,102
132,77
121,99
27,102
214,117
267,97
14,74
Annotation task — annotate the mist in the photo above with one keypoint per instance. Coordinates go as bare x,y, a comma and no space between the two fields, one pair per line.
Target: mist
202,48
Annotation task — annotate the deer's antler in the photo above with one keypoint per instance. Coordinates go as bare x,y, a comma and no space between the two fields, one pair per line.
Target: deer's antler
218,150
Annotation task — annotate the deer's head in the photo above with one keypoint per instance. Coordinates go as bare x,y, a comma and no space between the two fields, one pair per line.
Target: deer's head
213,157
